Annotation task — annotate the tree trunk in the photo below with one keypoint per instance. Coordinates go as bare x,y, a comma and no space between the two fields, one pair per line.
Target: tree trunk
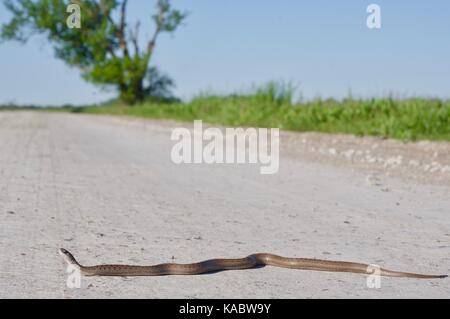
133,92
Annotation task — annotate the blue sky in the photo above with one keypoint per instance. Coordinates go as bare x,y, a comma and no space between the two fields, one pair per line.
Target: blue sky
322,46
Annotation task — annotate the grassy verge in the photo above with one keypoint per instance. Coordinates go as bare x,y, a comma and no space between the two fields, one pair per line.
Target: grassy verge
271,106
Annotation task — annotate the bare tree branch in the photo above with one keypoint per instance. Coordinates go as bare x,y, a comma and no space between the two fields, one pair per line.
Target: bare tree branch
121,31
159,21
134,36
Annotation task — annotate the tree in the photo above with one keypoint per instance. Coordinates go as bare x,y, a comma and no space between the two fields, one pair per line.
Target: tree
107,52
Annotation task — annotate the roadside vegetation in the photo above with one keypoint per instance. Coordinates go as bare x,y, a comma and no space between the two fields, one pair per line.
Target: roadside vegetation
272,106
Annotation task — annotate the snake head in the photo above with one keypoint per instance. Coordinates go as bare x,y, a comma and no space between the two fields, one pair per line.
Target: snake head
68,257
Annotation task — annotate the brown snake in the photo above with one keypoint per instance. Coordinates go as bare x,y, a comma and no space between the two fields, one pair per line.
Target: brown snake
251,261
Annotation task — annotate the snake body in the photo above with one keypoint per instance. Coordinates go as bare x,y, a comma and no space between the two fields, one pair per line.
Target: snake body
251,261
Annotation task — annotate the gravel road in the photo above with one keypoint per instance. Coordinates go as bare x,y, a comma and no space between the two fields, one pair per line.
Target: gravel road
106,189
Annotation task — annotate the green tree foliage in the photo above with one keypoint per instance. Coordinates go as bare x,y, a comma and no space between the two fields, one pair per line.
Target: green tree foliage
107,52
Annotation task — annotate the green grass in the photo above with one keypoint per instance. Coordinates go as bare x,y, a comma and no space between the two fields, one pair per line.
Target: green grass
271,106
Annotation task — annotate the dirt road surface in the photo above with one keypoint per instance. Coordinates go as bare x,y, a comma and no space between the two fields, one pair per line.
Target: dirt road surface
106,189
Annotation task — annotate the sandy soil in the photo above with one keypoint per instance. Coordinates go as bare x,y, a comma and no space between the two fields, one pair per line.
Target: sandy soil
106,189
